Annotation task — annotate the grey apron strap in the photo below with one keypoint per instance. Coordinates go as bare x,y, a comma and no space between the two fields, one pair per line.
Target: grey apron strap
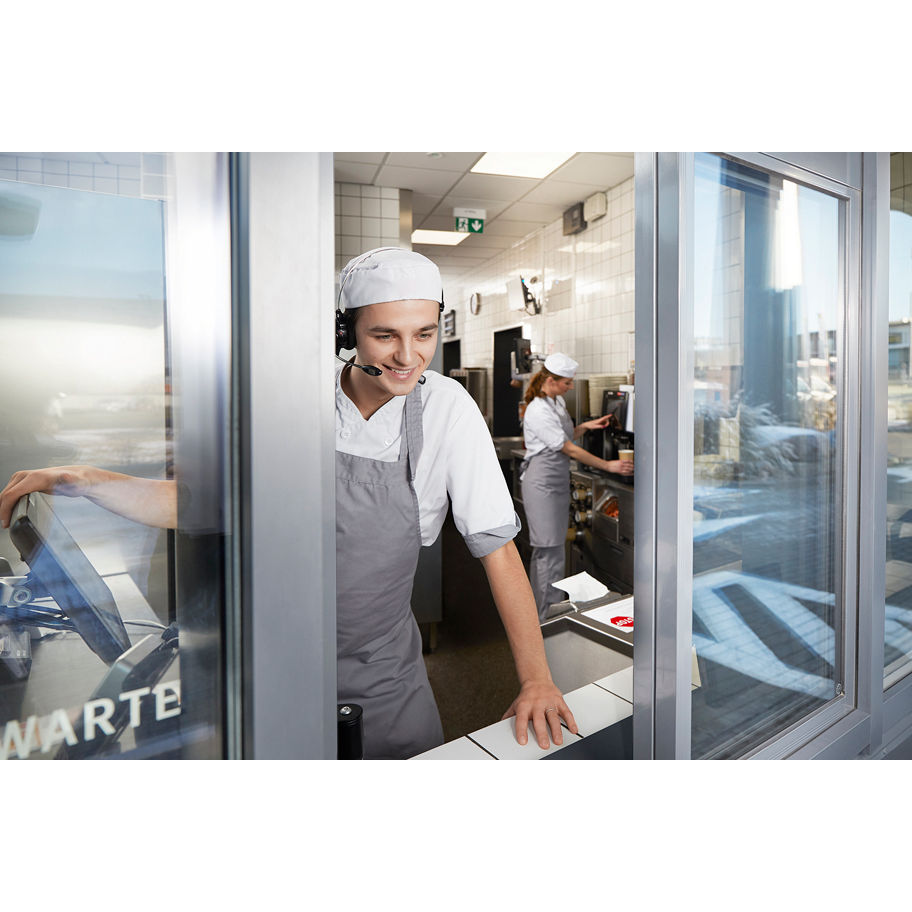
412,443
412,430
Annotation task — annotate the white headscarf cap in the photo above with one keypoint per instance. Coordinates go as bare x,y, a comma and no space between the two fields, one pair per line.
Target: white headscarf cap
560,364
388,274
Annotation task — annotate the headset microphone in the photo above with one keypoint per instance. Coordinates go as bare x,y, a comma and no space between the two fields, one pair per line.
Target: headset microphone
367,368
374,371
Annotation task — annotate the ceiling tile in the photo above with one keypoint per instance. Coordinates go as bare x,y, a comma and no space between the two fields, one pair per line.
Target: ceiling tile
366,158
534,212
510,228
468,249
450,161
354,173
419,180
483,239
490,242
442,218
603,169
493,207
490,186
438,222
560,193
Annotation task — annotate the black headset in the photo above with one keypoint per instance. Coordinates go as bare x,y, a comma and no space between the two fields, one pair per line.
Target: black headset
345,325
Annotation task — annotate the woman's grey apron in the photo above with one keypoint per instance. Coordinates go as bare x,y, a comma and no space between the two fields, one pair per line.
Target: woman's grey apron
545,481
378,540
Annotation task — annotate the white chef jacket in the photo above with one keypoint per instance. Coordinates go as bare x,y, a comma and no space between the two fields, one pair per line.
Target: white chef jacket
542,428
458,461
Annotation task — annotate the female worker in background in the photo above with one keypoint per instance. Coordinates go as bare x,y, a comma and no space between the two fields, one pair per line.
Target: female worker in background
545,475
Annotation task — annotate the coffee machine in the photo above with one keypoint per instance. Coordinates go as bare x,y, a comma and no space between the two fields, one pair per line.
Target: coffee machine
605,443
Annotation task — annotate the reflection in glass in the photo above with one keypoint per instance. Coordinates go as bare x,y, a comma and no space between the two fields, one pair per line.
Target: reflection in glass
766,366
898,620
89,661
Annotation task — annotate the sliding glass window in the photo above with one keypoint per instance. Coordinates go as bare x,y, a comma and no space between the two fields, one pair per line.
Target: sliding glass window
112,266
767,529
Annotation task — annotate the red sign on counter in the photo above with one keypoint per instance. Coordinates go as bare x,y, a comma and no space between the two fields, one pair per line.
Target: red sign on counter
625,623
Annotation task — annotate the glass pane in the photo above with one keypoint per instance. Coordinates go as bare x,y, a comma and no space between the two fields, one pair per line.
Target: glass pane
898,620
766,365
89,656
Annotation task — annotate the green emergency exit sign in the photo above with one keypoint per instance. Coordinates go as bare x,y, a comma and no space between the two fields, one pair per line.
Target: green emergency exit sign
470,221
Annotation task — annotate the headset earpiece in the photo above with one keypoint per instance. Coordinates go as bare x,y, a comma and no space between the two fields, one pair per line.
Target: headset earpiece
345,331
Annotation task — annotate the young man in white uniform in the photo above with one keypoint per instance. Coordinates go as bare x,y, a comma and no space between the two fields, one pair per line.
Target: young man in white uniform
548,433
426,438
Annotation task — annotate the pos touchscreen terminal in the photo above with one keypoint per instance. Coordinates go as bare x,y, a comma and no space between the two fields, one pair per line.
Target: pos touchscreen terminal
60,566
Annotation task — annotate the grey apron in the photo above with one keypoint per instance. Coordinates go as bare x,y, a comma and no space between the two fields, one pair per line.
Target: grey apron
378,540
545,481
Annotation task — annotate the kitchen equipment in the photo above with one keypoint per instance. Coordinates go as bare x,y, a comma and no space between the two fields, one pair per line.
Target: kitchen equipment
601,528
598,383
475,380
577,401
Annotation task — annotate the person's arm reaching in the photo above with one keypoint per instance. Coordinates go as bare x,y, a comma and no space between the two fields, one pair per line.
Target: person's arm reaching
594,425
144,500
540,701
618,466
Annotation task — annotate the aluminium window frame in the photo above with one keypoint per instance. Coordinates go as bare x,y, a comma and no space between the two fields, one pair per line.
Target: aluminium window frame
663,587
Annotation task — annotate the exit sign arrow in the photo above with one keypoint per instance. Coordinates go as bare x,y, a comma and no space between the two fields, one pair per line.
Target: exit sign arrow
470,221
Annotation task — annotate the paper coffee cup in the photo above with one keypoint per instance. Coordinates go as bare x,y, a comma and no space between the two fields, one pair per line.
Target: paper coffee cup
625,455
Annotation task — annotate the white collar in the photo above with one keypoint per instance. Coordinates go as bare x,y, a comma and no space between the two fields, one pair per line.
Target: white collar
389,411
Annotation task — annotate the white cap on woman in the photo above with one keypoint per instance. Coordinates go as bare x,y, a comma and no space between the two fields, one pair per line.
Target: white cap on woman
561,364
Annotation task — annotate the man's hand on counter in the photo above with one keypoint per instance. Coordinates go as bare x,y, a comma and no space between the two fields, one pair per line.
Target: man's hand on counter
542,704
540,701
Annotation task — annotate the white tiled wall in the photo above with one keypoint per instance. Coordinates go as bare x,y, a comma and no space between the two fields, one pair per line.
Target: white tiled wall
366,217
138,174
584,283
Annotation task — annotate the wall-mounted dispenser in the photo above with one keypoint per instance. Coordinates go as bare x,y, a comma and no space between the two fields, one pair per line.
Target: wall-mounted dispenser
595,207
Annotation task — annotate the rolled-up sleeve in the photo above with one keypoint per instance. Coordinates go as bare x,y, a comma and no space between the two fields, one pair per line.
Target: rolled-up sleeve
483,543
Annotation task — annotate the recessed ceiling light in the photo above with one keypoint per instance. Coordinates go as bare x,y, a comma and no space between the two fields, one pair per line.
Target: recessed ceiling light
451,238
520,164
434,154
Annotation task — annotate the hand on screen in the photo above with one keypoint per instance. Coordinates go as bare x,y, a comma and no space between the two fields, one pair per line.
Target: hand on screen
71,481
151,501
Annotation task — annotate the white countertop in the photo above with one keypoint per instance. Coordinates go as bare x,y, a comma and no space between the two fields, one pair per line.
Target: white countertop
594,706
